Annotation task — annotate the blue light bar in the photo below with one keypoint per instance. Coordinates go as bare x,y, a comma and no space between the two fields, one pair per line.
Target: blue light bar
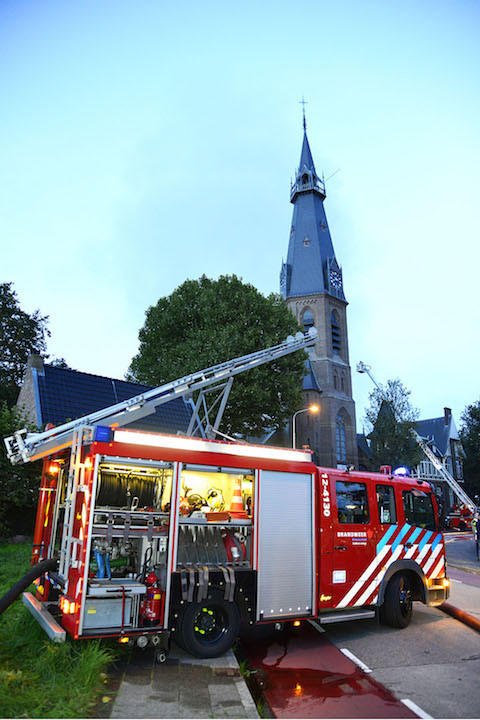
103,433
402,472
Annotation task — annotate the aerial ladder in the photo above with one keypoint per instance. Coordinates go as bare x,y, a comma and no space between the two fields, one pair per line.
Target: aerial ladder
23,447
438,465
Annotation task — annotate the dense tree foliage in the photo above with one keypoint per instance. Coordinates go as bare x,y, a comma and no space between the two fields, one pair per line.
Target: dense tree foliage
18,483
470,437
205,322
392,419
21,334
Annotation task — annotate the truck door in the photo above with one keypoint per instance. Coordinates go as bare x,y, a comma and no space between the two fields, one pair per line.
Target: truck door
353,546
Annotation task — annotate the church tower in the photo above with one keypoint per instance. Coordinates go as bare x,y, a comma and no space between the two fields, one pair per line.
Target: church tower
311,282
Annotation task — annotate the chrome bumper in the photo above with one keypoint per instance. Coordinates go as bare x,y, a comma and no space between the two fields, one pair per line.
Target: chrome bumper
54,631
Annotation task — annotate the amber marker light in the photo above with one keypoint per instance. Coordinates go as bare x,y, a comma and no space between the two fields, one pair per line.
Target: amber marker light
296,623
445,582
88,462
123,640
53,469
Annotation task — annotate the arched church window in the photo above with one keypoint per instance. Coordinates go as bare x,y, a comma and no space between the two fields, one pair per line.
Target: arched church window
336,337
340,437
308,320
343,383
335,381
305,179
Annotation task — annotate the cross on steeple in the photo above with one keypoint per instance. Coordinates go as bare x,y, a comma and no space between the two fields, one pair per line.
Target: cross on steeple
303,102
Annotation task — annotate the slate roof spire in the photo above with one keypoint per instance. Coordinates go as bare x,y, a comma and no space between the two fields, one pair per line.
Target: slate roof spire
311,266
306,159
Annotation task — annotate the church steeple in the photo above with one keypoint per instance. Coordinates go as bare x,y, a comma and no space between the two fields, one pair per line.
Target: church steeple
311,265
311,283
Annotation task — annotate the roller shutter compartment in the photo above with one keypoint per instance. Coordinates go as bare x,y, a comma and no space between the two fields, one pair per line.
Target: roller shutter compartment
285,545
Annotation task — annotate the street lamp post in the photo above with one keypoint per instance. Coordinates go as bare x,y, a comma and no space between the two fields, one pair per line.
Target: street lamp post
312,409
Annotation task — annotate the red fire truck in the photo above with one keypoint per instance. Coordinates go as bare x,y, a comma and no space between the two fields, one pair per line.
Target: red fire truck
144,536
150,546
460,518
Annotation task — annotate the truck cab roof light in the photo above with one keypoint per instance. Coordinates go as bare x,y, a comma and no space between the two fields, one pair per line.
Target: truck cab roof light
103,433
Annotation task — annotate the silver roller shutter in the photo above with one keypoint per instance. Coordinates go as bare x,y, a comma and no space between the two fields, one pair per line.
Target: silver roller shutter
285,545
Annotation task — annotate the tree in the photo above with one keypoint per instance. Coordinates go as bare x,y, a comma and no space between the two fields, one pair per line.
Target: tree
205,322
60,363
18,483
21,335
470,437
392,419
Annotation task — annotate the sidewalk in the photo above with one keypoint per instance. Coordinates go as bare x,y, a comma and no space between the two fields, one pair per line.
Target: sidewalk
464,600
183,687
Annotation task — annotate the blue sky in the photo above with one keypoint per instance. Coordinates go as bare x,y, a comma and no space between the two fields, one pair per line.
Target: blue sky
144,143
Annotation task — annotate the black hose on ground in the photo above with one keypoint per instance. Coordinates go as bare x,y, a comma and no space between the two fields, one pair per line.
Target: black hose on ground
20,586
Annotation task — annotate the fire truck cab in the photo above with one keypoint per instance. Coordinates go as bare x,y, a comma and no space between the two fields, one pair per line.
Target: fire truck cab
163,536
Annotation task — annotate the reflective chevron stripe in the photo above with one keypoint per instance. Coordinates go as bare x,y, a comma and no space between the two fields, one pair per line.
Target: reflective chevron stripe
427,550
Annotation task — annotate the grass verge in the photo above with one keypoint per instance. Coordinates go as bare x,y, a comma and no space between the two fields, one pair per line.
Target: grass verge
39,678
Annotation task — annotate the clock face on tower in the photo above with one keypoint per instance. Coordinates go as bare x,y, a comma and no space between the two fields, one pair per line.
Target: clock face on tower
335,280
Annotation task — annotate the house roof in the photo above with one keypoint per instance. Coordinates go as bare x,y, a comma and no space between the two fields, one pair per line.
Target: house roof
437,431
62,394
363,445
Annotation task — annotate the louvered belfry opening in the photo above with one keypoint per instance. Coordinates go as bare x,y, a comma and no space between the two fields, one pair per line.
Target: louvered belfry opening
336,336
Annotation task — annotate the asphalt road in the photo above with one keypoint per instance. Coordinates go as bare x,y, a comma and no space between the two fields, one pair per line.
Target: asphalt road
435,662
461,552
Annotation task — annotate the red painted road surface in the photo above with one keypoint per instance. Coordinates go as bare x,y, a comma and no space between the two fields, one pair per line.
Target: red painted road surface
303,675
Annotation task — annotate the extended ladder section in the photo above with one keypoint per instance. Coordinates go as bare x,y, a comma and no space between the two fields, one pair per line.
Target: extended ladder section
437,464
449,479
22,447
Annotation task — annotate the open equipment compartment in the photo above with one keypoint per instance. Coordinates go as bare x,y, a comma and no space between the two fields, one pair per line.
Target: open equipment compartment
127,548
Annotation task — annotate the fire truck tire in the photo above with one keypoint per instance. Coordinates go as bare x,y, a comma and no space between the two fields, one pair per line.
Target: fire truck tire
209,628
396,610
462,526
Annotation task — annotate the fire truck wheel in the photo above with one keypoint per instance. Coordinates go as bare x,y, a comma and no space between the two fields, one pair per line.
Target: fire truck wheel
396,610
209,628
462,526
